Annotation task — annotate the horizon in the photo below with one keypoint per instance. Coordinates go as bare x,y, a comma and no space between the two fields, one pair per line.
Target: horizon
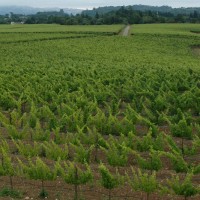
78,4
90,8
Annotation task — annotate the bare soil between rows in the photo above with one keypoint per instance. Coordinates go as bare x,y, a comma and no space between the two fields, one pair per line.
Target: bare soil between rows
58,190
62,191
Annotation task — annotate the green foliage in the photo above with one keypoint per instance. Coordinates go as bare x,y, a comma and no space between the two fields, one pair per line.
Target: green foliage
159,142
179,164
184,188
58,137
171,144
58,169
117,154
37,170
38,134
130,140
28,150
197,126
182,129
108,180
160,103
97,90
33,116
54,152
4,146
196,169
152,163
92,137
7,101
82,154
131,114
75,175
189,151
43,194
7,192
147,142
144,182
3,119
6,167
15,116
16,134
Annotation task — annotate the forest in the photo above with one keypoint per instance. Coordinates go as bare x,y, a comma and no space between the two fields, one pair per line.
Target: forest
100,16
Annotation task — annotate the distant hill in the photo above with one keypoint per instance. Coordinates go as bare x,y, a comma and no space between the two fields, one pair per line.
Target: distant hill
163,9
30,10
101,10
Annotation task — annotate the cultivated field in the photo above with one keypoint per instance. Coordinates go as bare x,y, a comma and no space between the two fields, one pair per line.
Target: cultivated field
86,113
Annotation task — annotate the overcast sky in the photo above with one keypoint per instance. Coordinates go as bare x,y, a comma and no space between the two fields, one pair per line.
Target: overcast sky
97,3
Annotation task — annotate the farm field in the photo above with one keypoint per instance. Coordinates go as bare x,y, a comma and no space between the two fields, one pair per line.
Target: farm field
167,29
38,28
86,113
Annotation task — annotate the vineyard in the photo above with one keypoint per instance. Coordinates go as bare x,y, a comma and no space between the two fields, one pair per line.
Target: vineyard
86,113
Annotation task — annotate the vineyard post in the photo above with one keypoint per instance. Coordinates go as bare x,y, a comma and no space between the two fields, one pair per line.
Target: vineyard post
96,148
2,161
76,185
11,182
109,197
10,118
22,122
147,196
42,185
182,145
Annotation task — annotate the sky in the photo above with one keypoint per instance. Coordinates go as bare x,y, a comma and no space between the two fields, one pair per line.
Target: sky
97,3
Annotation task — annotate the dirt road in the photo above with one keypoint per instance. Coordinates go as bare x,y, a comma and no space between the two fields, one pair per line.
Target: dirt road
126,30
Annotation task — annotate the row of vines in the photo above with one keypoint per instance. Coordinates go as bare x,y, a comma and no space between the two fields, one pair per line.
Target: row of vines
103,111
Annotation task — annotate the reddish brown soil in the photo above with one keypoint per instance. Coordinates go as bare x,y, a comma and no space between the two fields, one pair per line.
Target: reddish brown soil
59,190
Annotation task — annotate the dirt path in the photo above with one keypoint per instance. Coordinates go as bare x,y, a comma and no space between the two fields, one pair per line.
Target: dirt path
125,31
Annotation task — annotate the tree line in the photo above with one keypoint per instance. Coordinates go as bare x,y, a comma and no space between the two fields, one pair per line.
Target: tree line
125,15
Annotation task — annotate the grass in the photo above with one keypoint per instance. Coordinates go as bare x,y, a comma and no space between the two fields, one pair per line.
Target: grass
59,28
7,192
167,29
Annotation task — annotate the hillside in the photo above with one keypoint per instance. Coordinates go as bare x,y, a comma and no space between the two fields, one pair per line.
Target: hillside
30,10
163,9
